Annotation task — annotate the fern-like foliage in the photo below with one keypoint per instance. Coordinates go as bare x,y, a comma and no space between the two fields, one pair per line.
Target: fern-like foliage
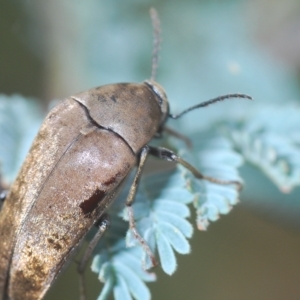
215,157
269,139
161,209
20,119
160,212
120,267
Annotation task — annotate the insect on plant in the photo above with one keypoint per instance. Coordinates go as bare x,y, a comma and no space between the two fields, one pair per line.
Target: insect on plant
84,150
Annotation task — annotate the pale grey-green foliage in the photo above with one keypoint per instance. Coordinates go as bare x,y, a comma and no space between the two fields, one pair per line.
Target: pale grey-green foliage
20,119
214,155
268,137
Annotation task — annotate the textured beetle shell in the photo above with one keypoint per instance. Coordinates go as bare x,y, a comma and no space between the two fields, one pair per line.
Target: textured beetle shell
129,109
67,181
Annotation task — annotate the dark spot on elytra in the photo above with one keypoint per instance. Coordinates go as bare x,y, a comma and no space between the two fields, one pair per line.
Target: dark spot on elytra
56,245
101,98
113,98
132,92
112,179
30,280
88,205
56,242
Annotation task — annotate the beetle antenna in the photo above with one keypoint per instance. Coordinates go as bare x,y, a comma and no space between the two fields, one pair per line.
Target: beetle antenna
211,101
156,41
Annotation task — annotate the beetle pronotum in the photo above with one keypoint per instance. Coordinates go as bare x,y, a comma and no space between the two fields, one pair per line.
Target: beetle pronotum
84,150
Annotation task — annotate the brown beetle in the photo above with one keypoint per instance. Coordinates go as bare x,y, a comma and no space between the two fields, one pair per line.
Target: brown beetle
84,150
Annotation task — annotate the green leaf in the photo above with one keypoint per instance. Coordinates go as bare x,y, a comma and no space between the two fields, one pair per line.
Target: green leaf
213,155
271,144
167,256
20,119
154,207
118,266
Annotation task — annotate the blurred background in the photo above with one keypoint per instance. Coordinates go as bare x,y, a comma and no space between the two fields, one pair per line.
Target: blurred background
50,50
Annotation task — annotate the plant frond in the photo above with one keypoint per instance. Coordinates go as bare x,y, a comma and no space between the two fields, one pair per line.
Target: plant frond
214,156
269,139
20,119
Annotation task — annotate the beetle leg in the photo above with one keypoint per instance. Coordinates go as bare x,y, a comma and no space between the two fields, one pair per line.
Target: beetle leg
102,225
169,155
174,133
130,200
179,136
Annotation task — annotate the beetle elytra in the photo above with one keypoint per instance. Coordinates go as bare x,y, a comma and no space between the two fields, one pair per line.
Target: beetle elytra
84,150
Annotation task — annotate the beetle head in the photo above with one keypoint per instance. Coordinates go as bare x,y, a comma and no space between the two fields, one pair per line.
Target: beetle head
161,99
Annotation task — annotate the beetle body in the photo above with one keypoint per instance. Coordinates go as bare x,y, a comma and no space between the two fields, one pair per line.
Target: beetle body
84,150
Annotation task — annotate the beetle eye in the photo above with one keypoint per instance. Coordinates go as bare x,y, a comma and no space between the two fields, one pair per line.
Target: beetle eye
161,98
159,92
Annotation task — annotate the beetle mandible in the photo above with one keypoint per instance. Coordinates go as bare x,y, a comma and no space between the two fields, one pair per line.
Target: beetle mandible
84,150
